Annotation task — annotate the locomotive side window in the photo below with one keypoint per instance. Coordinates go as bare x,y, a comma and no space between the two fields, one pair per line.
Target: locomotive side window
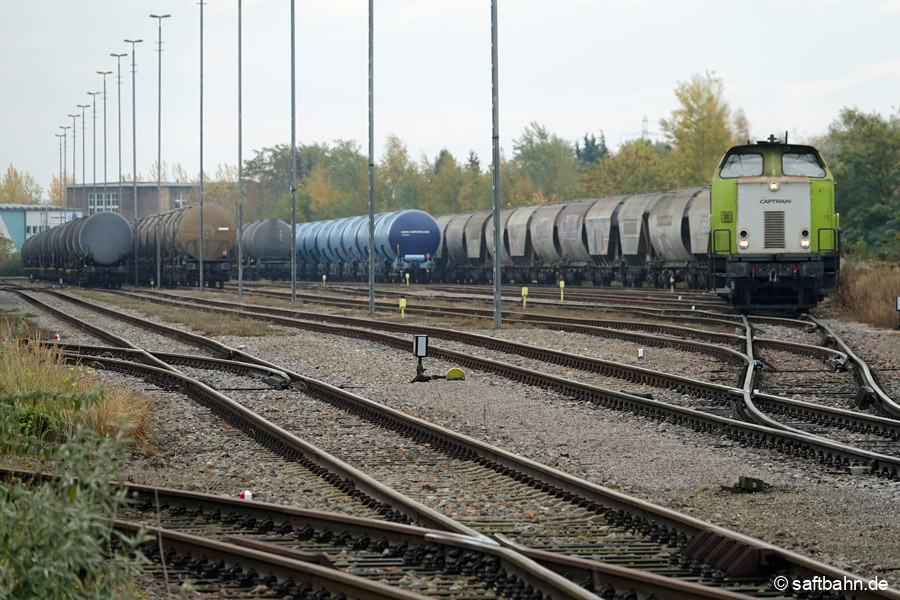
801,164
742,165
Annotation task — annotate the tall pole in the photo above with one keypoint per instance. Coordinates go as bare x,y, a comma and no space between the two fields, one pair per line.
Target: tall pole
84,202
62,198
241,173
118,58
159,19
371,157
134,156
74,145
60,136
201,3
105,195
293,164
495,94
93,95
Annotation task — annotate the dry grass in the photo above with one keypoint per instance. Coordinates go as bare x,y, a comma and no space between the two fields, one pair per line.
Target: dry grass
55,397
869,292
206,322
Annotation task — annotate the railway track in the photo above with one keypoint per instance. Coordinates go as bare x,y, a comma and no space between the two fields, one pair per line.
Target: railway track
632,517
868,433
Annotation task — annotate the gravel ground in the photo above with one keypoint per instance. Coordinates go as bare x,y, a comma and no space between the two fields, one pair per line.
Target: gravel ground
850,522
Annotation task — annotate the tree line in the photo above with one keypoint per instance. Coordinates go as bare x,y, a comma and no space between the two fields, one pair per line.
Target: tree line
862,149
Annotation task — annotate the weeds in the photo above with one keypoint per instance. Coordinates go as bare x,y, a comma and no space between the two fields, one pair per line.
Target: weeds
869,292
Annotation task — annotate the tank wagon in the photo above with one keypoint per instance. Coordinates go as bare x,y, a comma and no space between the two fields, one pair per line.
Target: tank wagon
775,240
89,251
180,247
266,249
404,242
656,238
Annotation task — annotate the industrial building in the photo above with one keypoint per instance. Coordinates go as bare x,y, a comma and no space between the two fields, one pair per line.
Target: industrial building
110,197
19,222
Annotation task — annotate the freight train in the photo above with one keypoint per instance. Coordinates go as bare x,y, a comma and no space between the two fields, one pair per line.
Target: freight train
180,247
266,250
98,250
89,251
405,242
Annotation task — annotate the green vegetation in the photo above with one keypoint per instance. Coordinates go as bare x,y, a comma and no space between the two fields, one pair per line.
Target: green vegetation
55,535
863,151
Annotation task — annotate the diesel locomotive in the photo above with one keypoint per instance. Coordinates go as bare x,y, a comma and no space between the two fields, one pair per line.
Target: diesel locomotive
775,236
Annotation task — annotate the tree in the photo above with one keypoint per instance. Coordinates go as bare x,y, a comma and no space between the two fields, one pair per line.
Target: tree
592,151
222,189
21,188
637,167
56,193
863,151
700,130
548,161
397,182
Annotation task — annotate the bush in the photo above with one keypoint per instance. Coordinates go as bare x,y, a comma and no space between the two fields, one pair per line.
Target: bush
12,266
869,291
55,536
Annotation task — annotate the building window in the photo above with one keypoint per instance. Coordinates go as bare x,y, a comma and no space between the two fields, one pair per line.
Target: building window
179,199
108,202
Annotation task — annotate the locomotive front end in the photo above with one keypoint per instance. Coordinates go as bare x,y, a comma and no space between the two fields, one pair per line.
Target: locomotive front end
774,242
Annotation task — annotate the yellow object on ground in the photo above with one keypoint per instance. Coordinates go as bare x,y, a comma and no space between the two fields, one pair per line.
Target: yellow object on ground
456,373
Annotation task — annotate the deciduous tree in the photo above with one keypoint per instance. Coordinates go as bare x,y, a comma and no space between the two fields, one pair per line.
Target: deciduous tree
548,161
700,130
21,188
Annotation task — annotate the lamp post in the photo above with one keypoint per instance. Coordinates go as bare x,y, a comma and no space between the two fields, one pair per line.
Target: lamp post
60,136
293,165
134,153
65,164
371,157
94,162
495,97
83,161
241,173
105,195
118,58
201,3
74,140
159,19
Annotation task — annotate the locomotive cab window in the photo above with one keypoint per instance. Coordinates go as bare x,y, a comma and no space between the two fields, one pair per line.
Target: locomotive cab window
801,164
742,164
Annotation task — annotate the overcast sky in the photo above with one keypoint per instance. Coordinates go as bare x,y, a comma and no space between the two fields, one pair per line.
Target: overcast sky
574,66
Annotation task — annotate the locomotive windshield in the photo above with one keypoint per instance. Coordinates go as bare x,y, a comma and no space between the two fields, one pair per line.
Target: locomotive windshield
801,164
741,164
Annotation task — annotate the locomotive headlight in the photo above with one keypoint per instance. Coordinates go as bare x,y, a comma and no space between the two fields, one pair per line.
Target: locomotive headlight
744,244
804,238
804,243
774,185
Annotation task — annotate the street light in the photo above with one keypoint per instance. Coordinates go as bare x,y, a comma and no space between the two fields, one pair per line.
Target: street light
94,162
201,3
105,195
65,164
293,164
83,178
159,19
241,170
74,140
60,136
118,58
134,153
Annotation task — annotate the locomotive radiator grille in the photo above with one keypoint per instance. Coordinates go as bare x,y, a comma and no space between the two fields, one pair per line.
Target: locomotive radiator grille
773,225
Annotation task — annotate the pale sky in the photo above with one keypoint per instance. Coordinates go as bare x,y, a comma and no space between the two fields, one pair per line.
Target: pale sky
574,66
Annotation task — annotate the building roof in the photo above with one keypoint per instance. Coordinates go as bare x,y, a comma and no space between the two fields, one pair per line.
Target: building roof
37,207
130,184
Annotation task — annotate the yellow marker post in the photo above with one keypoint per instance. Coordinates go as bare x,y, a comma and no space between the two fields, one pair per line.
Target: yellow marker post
402,307
672,283
407,279
324,277
524,295
562,288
